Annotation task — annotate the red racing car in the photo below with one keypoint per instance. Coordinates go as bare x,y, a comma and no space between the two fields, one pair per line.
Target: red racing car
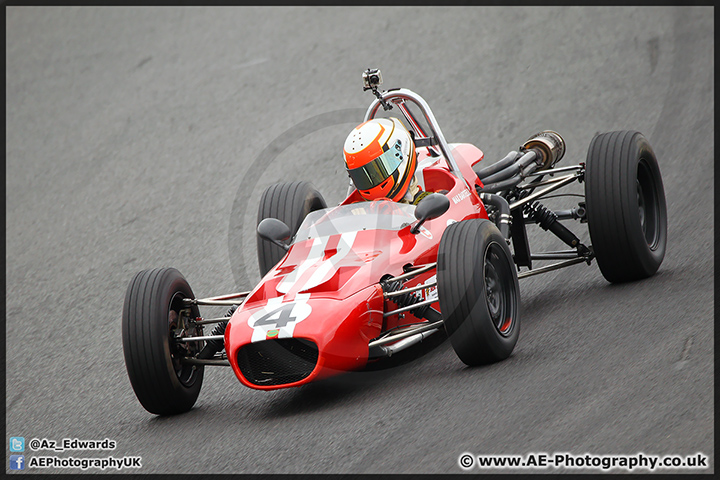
360,284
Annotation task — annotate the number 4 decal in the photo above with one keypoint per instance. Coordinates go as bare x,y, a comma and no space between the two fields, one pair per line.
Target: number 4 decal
279,317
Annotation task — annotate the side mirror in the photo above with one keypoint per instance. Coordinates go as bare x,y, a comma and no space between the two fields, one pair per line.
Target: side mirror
275,231
432,206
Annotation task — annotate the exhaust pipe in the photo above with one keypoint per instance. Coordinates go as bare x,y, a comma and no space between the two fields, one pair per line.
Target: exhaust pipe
509,159
549,146
540,152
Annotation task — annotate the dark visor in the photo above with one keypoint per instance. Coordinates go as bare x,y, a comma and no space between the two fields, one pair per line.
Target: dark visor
374,173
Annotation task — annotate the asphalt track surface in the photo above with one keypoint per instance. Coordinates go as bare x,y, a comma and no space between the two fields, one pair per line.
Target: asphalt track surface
134,136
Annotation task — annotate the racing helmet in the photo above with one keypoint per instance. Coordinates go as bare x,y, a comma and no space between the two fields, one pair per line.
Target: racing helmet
380,158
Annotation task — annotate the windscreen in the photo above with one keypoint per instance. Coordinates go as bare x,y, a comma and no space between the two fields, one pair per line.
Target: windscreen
375,215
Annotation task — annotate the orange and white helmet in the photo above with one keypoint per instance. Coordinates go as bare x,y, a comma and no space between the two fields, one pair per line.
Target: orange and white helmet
380,158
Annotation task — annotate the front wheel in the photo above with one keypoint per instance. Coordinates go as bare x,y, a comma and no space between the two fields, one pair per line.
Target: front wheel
478,292
154,317
625,203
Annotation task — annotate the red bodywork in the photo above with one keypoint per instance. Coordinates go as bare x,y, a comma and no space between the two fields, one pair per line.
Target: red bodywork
344,311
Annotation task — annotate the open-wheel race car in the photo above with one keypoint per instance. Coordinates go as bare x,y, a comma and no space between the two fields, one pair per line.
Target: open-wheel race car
353,286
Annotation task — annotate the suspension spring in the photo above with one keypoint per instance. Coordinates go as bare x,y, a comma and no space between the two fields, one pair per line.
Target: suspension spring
549,221
542,215
405,300
213,346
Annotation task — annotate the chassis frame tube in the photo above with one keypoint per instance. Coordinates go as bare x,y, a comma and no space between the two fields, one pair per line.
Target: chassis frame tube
211,303
553,256
556,184
553,171
407,333
397,293
554,266
389,350
559,255
208,321
198,339
409,307
229,296
219,301
209,361
412,273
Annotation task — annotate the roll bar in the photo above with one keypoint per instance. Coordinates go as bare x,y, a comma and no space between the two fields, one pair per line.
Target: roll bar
398,97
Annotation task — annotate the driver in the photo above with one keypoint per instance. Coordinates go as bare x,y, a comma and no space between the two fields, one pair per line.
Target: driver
381,161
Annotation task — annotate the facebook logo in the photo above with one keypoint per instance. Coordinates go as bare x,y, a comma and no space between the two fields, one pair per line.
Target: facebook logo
17,444
17,462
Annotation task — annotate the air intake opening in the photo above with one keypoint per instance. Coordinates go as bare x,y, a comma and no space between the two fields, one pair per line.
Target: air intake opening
277,362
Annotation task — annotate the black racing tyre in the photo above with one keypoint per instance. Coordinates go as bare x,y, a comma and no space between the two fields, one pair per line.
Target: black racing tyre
625,205
289,202
478,292
152,316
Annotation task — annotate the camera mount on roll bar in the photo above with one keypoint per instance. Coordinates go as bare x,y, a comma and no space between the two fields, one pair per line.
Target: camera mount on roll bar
372,79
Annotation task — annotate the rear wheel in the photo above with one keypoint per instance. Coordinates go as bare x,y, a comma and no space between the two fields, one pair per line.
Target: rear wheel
154,317
625,203
291,203
478,292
